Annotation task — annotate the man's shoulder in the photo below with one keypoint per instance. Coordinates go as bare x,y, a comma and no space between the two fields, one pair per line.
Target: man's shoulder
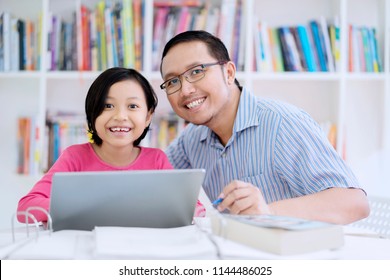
278,107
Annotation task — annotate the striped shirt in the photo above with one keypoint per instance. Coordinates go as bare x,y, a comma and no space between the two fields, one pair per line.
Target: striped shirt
274,146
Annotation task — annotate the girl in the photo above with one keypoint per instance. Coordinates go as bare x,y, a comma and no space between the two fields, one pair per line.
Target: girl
119,108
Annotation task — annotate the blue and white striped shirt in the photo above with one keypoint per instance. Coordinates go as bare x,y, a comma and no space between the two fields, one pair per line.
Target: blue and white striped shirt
275,146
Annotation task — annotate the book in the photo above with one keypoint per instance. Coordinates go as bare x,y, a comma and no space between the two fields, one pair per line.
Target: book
327,49
319,44
279,234
22,43
307,48
187,242
374,50
138,32
299,45
276,51
289,50
5,47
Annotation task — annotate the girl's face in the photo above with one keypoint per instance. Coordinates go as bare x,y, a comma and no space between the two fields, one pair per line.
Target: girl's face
125,115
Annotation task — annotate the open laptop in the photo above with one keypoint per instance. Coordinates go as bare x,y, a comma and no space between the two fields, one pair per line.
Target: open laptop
147,198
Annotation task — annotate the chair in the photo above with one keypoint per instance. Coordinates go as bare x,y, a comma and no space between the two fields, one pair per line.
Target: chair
379,218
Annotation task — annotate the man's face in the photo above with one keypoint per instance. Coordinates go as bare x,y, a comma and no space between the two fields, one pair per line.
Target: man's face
200,102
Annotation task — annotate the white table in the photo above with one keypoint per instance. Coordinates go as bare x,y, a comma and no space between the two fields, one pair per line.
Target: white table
82,245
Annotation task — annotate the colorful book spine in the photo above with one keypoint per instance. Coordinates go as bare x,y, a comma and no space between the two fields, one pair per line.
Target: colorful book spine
5,47
377,65
289,49
128,34
277,56
138,32
326,44
307,48
319,44
101,36
334,35
298,44
159,26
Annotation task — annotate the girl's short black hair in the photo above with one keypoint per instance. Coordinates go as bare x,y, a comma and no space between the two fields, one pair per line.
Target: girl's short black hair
215,46
98,91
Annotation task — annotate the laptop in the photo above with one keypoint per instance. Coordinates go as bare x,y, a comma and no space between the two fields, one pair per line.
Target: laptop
147,198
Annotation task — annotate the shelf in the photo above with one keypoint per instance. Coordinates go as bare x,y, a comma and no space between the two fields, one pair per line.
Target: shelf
356,102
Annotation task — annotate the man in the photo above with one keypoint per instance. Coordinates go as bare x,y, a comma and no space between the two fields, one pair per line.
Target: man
261,156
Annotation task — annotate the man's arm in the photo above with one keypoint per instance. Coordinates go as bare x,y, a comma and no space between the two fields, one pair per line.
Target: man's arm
333,205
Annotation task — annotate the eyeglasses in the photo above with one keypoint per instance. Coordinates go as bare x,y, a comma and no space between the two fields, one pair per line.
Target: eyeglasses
191,75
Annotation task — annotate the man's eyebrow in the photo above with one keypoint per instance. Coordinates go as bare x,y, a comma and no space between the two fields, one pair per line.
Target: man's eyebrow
170,75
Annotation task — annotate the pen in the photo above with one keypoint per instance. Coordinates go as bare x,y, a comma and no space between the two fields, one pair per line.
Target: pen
217,201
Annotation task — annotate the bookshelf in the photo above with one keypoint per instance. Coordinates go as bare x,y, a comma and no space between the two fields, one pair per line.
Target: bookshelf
358,102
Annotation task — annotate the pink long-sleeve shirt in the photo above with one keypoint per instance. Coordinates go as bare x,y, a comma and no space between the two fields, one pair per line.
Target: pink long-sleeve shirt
82,157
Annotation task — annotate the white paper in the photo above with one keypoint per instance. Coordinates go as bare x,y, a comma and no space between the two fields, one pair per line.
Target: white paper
187,242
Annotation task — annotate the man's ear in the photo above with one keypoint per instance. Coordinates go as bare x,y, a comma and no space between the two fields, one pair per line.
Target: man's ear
231,72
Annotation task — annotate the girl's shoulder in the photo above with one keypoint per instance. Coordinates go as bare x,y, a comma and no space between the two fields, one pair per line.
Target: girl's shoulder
81,149
147,151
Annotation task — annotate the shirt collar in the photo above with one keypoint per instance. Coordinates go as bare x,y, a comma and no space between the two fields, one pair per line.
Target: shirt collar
246,113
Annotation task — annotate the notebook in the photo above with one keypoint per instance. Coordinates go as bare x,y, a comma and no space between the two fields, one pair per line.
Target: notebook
147,198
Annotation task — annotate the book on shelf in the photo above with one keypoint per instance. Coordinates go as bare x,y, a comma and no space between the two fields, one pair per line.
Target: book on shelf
138,32
307,48
289,48
62,130
319,43
279,234
363,54
5,41
224,19
299,45
109,34
127,18
334,37
158,33
28,143
304,48
263,51
327,45
163,130
226,23
241,35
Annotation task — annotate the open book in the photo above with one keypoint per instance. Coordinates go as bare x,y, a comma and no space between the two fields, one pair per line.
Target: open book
277,234
187,242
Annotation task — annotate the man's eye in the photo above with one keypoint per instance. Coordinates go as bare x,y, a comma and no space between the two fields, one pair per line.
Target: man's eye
173,82
196,71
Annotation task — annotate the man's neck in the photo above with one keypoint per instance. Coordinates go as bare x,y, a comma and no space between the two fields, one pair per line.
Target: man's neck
223,128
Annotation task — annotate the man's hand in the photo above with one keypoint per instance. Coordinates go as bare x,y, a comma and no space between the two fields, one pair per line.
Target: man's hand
243,198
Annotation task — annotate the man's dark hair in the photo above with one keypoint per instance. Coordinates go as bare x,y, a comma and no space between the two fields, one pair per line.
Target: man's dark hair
215,46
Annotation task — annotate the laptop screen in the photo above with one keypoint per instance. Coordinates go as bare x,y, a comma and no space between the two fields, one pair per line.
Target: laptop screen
147,198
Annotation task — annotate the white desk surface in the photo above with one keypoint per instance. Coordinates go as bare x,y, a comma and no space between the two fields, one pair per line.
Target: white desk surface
80,245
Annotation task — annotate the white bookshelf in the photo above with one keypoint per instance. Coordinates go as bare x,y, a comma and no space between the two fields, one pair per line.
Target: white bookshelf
359,102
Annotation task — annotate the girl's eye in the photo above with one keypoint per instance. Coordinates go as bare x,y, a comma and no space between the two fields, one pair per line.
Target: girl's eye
108,106
133,106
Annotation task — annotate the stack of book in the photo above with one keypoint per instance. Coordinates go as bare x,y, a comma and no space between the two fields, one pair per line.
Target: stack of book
278,234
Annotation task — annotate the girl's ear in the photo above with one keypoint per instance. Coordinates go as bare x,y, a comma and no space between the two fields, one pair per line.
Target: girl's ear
148,118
